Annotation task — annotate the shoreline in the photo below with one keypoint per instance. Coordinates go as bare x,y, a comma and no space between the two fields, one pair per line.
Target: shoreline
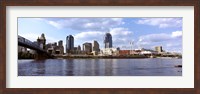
101,57
105,57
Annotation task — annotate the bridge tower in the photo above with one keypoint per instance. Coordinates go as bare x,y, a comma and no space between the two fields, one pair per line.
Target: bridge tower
42,44
42,41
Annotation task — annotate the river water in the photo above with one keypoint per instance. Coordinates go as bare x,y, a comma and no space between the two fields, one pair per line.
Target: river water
100,67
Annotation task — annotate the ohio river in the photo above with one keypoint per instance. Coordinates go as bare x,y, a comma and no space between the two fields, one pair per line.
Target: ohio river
100,67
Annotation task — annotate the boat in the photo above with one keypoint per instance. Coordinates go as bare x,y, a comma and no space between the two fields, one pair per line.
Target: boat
178,66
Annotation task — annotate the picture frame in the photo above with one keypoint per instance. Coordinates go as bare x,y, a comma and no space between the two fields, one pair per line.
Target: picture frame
5,3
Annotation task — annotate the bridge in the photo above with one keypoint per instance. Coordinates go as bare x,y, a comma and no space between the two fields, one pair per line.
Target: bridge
41,53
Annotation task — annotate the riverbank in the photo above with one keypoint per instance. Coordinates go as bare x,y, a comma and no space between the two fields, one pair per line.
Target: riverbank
110,57
102,57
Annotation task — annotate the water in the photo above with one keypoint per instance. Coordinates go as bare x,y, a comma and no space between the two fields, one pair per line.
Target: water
100,67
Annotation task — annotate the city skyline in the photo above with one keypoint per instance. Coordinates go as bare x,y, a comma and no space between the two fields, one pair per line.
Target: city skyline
145,32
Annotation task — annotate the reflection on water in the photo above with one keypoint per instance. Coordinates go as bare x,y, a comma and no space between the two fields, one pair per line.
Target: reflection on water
100,67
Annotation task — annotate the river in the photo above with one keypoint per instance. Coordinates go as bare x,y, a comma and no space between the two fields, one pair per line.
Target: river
100,67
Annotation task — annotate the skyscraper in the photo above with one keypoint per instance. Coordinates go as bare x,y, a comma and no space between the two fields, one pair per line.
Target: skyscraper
60,47
87,47
69,44
79,48
60,43
108,40
95,46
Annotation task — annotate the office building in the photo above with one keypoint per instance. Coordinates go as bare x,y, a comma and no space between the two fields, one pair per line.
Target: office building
87,47
158,49
69,44
60,43
79,48
108,40
95,46
60,47
55,49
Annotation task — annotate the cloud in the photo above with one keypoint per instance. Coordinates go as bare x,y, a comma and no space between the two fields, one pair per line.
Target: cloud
85,24
169,42
120,31
160,37
155,38
120,36
88,36
177,34
161,22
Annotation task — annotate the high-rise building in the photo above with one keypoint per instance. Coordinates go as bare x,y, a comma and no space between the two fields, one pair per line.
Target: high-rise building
95,46
55,44
158,49
108,40
79,48
87,47
60,43
60,47
42,41
53,48
69,44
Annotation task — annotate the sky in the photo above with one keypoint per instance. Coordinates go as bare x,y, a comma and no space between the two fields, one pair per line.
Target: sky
142,32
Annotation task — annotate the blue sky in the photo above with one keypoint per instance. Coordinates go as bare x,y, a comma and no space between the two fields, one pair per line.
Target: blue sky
144,32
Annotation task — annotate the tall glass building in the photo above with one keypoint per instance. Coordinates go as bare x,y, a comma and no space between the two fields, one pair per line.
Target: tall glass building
108,40
69,44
